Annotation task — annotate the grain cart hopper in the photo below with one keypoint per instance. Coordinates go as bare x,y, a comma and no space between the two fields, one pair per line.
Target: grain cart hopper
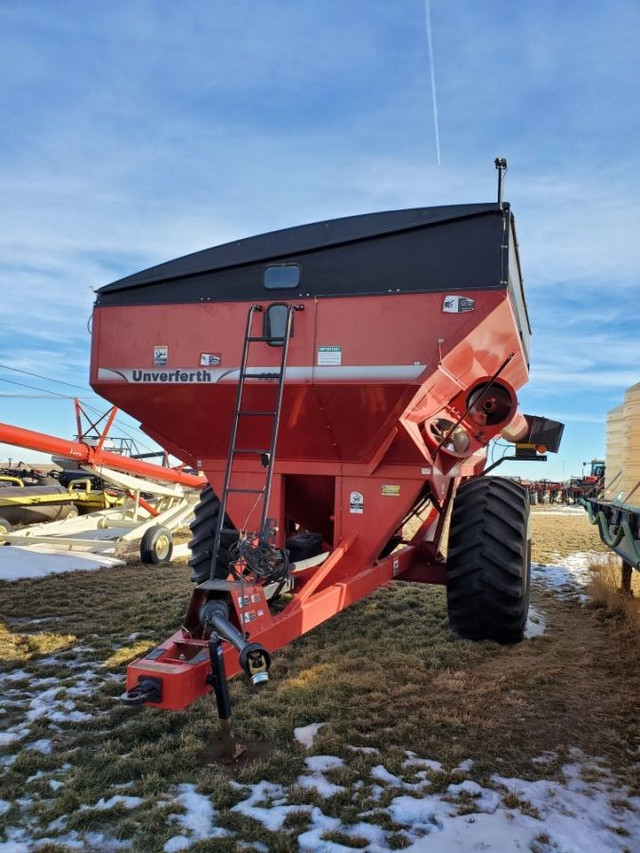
333,381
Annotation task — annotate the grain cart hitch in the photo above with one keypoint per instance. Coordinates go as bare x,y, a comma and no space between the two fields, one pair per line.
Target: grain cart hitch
147,689
254,660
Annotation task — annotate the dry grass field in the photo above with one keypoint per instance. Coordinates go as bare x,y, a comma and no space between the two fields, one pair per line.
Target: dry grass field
387,676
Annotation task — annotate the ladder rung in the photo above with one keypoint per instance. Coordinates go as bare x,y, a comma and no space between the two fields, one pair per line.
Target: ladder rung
249,412
228,530
262,339
248,450
246,491
248,375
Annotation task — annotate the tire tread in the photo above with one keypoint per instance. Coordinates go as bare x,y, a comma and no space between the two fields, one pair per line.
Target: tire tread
488,561
203,529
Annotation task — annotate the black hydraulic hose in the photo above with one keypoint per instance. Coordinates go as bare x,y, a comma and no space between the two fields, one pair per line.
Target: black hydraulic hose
255,660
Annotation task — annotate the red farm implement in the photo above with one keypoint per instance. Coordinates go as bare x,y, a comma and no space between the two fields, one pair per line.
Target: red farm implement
332,381
149,502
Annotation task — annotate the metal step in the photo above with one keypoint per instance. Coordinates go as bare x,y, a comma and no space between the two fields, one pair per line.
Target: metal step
220,586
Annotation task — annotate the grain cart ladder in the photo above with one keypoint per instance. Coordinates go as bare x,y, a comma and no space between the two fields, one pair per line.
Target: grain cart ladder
282,314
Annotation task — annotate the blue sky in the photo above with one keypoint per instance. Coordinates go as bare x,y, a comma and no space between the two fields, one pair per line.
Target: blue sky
135,132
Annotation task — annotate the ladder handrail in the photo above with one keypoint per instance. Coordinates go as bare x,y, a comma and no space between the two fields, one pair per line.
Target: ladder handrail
232,441
276,421
238,413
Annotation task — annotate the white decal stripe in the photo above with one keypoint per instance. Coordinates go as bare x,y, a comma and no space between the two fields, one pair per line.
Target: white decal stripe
213,375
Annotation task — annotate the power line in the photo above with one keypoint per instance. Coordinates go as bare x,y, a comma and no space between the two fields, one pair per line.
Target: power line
35,388
55,394
36,397
118,421
46,378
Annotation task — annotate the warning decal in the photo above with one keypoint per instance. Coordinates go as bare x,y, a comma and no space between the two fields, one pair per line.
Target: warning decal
160,356
390,490
356,503
210,359
458,304
329,356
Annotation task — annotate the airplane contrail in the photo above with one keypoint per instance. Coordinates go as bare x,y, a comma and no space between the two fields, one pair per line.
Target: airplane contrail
427,9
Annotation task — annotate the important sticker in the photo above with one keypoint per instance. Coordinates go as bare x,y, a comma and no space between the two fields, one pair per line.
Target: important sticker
210,359
390,490
329,356
160,356
356,503
458,304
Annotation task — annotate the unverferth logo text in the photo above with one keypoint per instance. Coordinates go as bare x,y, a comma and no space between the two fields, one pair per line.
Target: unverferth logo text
171,376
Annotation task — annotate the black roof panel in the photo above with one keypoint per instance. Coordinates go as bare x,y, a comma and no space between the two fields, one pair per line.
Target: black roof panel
431,248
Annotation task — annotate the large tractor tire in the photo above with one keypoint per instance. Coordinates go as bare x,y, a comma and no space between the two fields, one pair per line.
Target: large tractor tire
203,529
489,560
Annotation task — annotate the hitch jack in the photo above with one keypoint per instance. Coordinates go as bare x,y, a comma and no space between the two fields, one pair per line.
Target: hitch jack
231,748
254,660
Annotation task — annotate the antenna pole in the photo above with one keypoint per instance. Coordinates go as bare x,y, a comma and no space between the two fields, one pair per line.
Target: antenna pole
501,166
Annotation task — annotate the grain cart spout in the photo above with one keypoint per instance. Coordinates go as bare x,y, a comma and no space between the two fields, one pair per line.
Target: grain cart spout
334,381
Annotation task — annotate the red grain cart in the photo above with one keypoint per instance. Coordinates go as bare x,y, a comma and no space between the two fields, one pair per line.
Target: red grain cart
333,381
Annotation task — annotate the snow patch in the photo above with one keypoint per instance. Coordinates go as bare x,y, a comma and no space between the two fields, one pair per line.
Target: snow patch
20,841
536,624
197,820
412,760
176,843
545,758
58,711
558,510
570,575
312,839
117,800
366,750
44,746
36,561
16,675
13,735
318,764
485,800
579,815
575,815
306,734
265,804
381,773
